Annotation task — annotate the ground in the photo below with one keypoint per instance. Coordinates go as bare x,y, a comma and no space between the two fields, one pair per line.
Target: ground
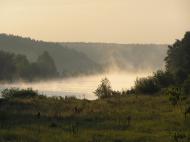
135,118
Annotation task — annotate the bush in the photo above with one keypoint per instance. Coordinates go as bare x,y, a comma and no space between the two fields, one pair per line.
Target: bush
176,95
104,90
186,86
146,85
18,93
155,83
163,78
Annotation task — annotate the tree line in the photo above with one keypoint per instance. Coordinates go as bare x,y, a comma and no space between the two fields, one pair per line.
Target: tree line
18,67
177,72
175,77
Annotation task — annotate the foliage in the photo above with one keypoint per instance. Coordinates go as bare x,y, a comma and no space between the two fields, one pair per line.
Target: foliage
178,59
177,70
68,61
14,67
7,66
163,79
18,93
176,95
146,85
46,66
104,90
152,84
186,86
128,92
104,120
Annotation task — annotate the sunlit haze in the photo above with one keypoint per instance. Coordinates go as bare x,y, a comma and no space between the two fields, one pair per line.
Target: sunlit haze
80,86
120,21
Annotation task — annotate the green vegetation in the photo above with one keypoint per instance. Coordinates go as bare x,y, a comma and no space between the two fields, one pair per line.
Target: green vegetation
67,61
114,119
104,90
17,67
18,93
146,85
177,70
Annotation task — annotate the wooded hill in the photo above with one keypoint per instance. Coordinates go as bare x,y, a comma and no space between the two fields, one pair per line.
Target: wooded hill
67,61
88,58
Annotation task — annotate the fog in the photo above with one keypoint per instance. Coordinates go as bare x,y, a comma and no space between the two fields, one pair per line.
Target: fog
81,87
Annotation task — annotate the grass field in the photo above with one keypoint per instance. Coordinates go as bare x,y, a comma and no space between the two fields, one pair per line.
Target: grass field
118,119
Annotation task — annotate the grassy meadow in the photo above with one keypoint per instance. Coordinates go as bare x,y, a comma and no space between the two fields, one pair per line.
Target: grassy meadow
131,118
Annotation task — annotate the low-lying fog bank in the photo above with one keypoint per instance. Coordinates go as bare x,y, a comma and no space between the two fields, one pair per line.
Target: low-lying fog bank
80,86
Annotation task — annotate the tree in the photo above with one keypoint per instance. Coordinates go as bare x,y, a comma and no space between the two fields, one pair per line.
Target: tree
146,85
14,67
22,67
7,66
163,78
178,59
104,90
46,65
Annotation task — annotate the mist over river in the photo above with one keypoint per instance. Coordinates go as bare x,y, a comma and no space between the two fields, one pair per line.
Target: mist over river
80,86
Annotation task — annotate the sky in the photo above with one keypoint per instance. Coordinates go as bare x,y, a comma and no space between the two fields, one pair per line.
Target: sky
115,21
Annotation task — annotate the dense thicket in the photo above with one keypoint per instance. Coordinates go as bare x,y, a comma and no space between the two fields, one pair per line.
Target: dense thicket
178,59
15,67
177,70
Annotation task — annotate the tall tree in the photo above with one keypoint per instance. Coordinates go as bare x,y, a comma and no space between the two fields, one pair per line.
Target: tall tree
178,58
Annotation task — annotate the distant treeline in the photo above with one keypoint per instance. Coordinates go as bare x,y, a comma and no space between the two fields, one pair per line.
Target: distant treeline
17,67
73,59
125,57
67,61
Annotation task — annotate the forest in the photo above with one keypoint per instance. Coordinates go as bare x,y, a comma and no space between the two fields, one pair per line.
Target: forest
67,61
17,67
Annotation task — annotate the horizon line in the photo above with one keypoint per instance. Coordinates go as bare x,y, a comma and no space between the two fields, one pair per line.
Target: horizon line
84,42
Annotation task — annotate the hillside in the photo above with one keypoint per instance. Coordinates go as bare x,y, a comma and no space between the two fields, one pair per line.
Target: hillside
67,61
87,58
130,57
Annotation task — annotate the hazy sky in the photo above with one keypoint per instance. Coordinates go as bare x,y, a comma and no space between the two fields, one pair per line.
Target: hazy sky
121,21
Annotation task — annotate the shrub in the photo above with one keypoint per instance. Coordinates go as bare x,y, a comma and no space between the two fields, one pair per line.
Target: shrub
116,93
104,90
146,85
155,83
163,78
128,92
186,86
18,93
176,95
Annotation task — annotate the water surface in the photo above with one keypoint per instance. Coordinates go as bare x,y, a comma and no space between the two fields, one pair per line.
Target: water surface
80,86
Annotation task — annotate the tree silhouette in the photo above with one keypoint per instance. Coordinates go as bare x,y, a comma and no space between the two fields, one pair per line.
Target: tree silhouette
178,58
46,65
104,90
